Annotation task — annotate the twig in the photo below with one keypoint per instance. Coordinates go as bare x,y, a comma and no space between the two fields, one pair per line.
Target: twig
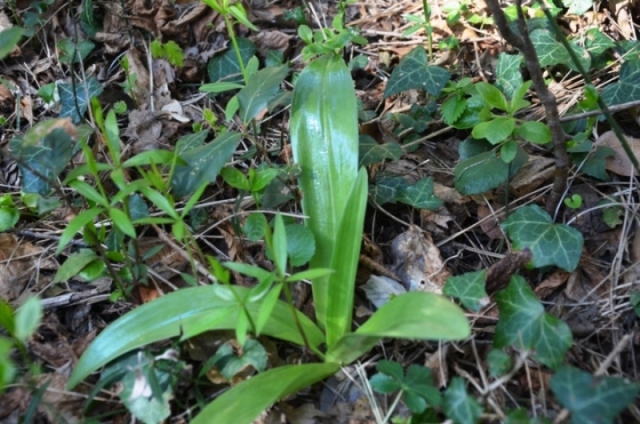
615,108
548,100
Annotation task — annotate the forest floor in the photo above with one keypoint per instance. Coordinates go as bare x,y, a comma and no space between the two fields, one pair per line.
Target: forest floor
403,135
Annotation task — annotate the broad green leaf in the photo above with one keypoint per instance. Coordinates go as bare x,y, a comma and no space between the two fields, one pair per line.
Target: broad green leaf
263,177
524,323
496,131
531,228
594,163
9,39
627,89
324,138
203,164
27,319
191,141
70,51
76,102
492,96
535,132
269,302
596,42
341,284
235,178
413,315
469,289
420,195
74,264
485,172
254,226
458,405
226,67
414,72
370,152
417,387
508,151
43,151
263,391
509,76
300,244
186,313
591,399
578,7
259,91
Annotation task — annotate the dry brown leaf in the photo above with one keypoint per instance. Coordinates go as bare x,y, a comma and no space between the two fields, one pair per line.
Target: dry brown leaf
551,283
271,40
532,175
491,225
619,163
417,261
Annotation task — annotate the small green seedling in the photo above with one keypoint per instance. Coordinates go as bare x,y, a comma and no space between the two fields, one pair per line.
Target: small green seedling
574,202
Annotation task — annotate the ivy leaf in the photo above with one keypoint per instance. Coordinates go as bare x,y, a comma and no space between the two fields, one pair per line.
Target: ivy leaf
387,189
595,163
230,364
596,42
590,399
413,71
531,228
203,163
452,109
485,172
499,362
262,87
578,7
551,52
525,324
226,67
508,74
458,405
469,289
370,152
420,195
627,89
70,98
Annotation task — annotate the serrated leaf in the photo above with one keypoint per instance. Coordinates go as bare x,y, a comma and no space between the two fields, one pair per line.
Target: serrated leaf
458,405
76,102
525,324
485,172
452,109
226,67
370,152
531,228
262,87
414,72
387,189
469,288
203,163
627,89
591,399
420,195
508,74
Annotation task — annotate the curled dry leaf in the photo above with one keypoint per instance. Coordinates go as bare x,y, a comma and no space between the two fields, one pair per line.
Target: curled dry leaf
532,175
417,261
619,163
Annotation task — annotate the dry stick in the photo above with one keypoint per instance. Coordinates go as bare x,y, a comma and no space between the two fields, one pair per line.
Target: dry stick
588,114
548,100
587,79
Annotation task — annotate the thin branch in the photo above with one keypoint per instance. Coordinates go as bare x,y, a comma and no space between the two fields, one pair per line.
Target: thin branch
523,43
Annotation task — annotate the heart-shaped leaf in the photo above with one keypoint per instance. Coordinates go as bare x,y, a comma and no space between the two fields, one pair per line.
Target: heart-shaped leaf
414,72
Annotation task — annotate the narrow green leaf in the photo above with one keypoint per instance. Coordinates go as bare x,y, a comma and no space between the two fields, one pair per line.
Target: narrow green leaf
220,87
279,248
122,222
88,192
432,317
233,407
156,157
261,88
9,39
76,225
186,313
74,264
27,319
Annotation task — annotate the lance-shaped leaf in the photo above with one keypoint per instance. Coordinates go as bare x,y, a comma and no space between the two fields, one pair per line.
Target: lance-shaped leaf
262,87
324,138
187,313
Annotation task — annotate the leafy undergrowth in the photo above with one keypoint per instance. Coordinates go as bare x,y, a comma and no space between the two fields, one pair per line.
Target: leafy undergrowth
151,148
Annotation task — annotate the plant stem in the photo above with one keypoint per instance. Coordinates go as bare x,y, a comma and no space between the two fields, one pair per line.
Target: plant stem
234,42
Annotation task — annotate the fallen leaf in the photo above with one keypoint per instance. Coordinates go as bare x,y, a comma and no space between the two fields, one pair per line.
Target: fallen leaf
619,163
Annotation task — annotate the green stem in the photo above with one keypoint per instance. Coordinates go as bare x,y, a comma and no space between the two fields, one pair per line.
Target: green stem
234,42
